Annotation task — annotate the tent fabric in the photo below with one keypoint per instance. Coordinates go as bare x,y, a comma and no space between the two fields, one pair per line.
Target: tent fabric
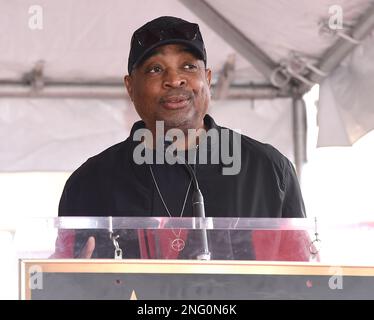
346,107
259,119
82,41
59,134
281,26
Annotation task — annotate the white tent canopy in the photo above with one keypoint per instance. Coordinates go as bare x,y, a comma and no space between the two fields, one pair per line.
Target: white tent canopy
277,49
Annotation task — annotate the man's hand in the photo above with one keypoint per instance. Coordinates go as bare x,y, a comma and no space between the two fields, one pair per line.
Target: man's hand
88,249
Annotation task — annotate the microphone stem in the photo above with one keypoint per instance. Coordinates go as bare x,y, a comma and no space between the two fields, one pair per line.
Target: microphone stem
198,210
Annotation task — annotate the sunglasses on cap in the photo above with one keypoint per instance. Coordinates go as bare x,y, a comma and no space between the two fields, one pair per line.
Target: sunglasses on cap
182,31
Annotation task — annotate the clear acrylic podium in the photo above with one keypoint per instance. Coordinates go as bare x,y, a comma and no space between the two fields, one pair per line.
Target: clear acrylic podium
161,258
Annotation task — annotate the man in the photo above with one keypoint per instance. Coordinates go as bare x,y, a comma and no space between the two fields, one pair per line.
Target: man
169,84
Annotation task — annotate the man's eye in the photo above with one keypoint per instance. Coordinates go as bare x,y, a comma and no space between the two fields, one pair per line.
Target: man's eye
190,66
154,69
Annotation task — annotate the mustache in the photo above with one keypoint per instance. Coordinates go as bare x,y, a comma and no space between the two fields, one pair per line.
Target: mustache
185,94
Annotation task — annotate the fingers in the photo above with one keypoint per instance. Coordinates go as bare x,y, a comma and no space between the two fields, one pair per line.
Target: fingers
88,249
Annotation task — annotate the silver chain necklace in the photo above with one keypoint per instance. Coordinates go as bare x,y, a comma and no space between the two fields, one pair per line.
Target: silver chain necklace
177,244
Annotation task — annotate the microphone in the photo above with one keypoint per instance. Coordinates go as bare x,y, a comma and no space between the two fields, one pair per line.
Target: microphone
198,208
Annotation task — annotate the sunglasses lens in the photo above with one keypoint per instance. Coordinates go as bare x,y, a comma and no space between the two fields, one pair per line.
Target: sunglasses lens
185,31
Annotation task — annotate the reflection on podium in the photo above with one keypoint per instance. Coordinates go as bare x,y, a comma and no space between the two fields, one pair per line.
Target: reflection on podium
250,259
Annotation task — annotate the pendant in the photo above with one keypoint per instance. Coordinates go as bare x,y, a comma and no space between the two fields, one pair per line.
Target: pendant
118,254
177,244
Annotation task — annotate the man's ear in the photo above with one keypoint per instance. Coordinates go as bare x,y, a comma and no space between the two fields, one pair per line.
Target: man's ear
208,76
128,83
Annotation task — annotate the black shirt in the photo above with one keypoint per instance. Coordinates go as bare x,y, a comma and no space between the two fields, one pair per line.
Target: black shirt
112,184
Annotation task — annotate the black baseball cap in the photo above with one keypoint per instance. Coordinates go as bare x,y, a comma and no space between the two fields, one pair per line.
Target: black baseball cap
161,31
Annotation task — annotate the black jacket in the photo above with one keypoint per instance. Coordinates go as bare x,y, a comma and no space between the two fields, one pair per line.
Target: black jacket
112,184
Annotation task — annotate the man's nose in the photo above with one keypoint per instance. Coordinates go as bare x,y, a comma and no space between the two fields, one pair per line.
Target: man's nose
174,79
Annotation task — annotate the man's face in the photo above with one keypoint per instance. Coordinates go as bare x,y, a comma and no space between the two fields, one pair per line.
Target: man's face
171,86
